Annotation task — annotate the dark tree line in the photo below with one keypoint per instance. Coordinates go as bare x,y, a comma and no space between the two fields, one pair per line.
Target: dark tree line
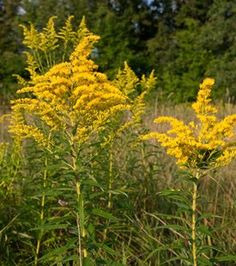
183,40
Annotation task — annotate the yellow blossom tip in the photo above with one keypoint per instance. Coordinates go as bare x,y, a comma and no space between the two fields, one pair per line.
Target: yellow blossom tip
208,82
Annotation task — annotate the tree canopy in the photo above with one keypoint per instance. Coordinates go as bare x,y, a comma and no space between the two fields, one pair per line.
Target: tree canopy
183,40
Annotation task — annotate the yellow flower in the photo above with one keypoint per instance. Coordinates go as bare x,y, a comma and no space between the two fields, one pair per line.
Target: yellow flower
28,131
208,143
130,84
71,96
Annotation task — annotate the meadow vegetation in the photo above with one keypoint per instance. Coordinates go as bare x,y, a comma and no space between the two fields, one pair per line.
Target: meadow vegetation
80,185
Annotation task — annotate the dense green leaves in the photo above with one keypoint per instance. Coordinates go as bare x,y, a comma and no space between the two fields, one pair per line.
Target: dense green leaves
183,41
10,46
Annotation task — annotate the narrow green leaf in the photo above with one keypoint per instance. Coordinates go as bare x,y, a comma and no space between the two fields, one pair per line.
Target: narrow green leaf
104,214
226,258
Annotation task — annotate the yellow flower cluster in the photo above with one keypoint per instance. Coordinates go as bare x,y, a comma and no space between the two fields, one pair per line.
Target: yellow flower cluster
208,143
126,80
71,96
131,85
49,46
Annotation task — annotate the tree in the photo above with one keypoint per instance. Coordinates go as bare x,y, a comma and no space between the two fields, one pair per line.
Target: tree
218,36
10,46
124,27
178,54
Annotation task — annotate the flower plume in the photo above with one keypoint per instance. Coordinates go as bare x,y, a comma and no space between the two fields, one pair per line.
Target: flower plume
207,143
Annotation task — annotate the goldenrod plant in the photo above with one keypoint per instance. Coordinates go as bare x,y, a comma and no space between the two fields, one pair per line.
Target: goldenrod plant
72,99
199,146
68,105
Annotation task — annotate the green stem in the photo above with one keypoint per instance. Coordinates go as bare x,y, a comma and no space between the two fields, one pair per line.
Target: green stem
37,57
47,59
42,211
80,208
110,181
146,181
109,205
78,222
194,204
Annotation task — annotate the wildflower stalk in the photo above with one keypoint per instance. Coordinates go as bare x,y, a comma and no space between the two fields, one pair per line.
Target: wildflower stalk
78,223
193,224
80,206
39,61
145,177
109,205
45,174
47,59
110,181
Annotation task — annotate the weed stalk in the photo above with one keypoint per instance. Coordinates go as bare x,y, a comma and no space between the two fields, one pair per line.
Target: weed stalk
193,224
38,245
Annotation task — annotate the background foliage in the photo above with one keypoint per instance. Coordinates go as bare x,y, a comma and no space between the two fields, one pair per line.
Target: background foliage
182,40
